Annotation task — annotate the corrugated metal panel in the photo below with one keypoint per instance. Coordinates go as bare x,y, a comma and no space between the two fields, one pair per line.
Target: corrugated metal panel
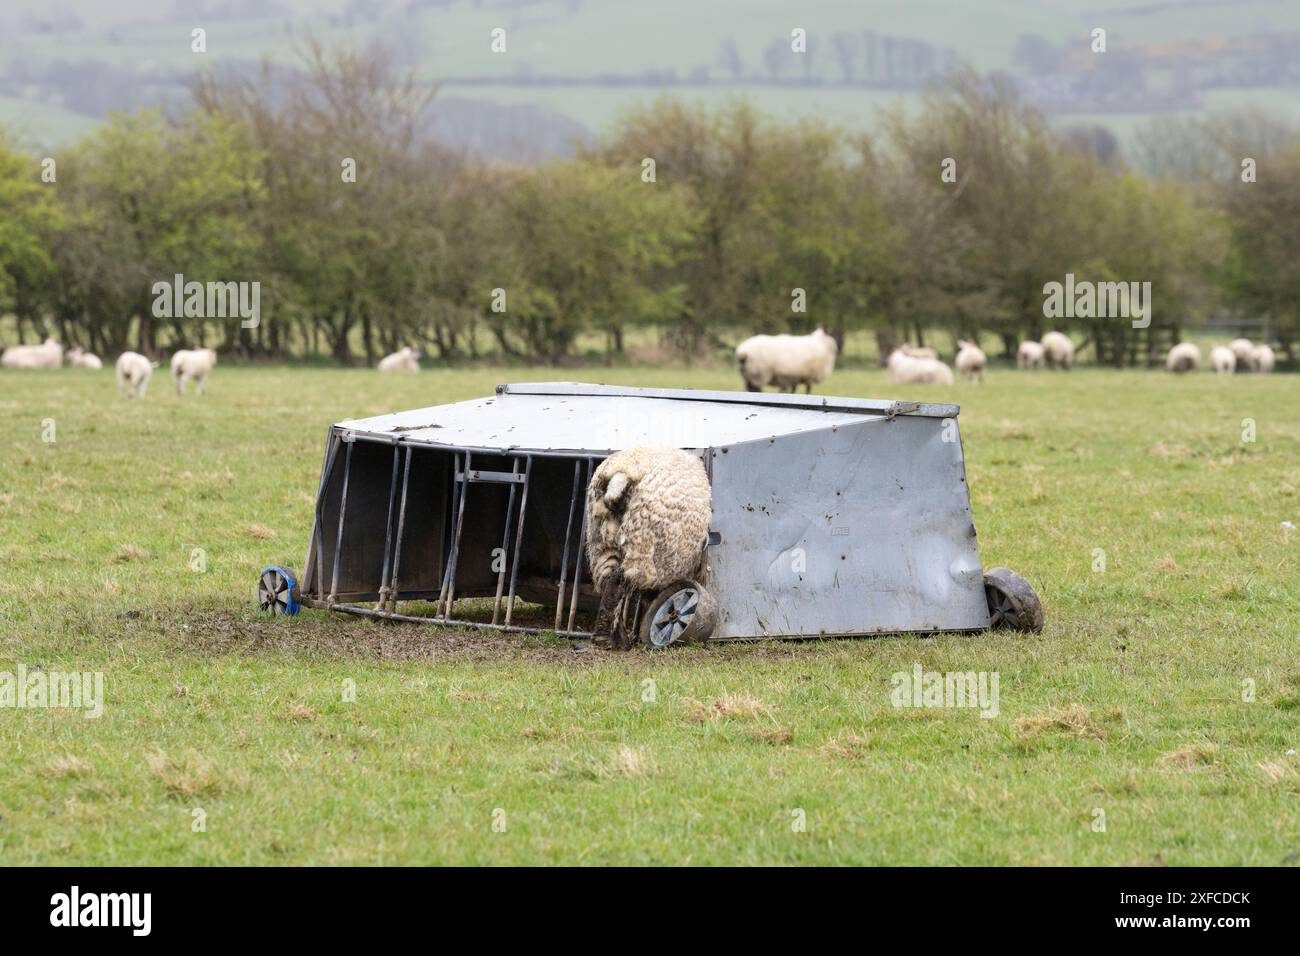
605,421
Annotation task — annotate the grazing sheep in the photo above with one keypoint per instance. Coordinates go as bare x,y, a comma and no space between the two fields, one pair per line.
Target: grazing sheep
786,361
406,360
970,360
1222,360
906,369
1058,350
192,365
1244,350
1262,358
648,512
1030,355
133,374
80,358
1183,357
47,355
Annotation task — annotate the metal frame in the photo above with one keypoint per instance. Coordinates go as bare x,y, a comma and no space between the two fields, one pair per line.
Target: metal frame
463,475
885,463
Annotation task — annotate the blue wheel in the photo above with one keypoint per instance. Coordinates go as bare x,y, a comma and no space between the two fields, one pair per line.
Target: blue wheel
277,590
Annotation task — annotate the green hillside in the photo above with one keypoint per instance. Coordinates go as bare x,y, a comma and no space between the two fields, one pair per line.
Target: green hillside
589,61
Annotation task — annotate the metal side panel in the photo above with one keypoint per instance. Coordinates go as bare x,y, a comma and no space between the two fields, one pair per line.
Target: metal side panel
856,530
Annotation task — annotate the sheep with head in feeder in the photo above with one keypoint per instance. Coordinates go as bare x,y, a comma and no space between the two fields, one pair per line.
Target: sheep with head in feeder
648,512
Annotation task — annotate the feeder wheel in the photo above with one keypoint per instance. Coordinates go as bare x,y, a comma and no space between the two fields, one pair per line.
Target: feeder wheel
277,590
680,613
1012,602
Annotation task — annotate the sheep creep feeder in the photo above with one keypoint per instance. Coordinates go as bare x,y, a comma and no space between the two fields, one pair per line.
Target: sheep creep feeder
830,517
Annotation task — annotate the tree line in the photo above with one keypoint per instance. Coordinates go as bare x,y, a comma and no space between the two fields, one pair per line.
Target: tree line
327,185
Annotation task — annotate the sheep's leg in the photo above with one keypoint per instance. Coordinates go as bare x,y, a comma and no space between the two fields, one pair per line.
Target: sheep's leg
619,638
613,606
609,592
751,387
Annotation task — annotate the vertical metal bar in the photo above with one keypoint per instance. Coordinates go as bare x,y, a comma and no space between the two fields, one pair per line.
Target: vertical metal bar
317,541
519,538
343,510
455,546
505,540
445,544
401,527
455,486
582,547
568,534
388,529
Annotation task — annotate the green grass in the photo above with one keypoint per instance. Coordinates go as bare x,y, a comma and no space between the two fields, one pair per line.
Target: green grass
1129,702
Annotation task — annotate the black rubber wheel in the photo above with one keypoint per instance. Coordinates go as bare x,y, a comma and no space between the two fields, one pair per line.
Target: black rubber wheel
680,613
1012,602
277,590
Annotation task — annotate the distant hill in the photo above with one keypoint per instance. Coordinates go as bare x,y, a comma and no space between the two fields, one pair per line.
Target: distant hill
570,66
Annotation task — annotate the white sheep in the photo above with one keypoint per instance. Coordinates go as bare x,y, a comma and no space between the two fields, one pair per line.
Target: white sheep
907,369
1030,355
1244,350
405,360
648,511
80,358
1262,359
192,365
786,361
970,361
47,355
1223,360
133,374
1183,357
1058,350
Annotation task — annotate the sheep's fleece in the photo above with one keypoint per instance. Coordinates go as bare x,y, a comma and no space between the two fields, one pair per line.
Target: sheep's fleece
648,516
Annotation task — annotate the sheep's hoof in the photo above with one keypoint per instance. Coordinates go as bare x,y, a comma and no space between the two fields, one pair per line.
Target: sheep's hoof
277,590
681,612
1012,602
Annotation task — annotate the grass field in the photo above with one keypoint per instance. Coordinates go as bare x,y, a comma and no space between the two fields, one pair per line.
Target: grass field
1132,708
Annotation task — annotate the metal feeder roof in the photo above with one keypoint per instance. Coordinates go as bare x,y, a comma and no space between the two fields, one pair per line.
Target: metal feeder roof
598,419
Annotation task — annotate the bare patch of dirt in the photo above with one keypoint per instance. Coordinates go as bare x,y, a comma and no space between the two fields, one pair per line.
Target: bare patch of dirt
338,635
216,631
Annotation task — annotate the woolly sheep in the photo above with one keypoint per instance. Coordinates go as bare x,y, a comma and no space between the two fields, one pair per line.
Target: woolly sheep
80,358
47,355
1244,350
192,365
786,361
1183,357
405,360
1058,350
970,360
1222,360
906,369
1030,355
133,374
1262,358
648,511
